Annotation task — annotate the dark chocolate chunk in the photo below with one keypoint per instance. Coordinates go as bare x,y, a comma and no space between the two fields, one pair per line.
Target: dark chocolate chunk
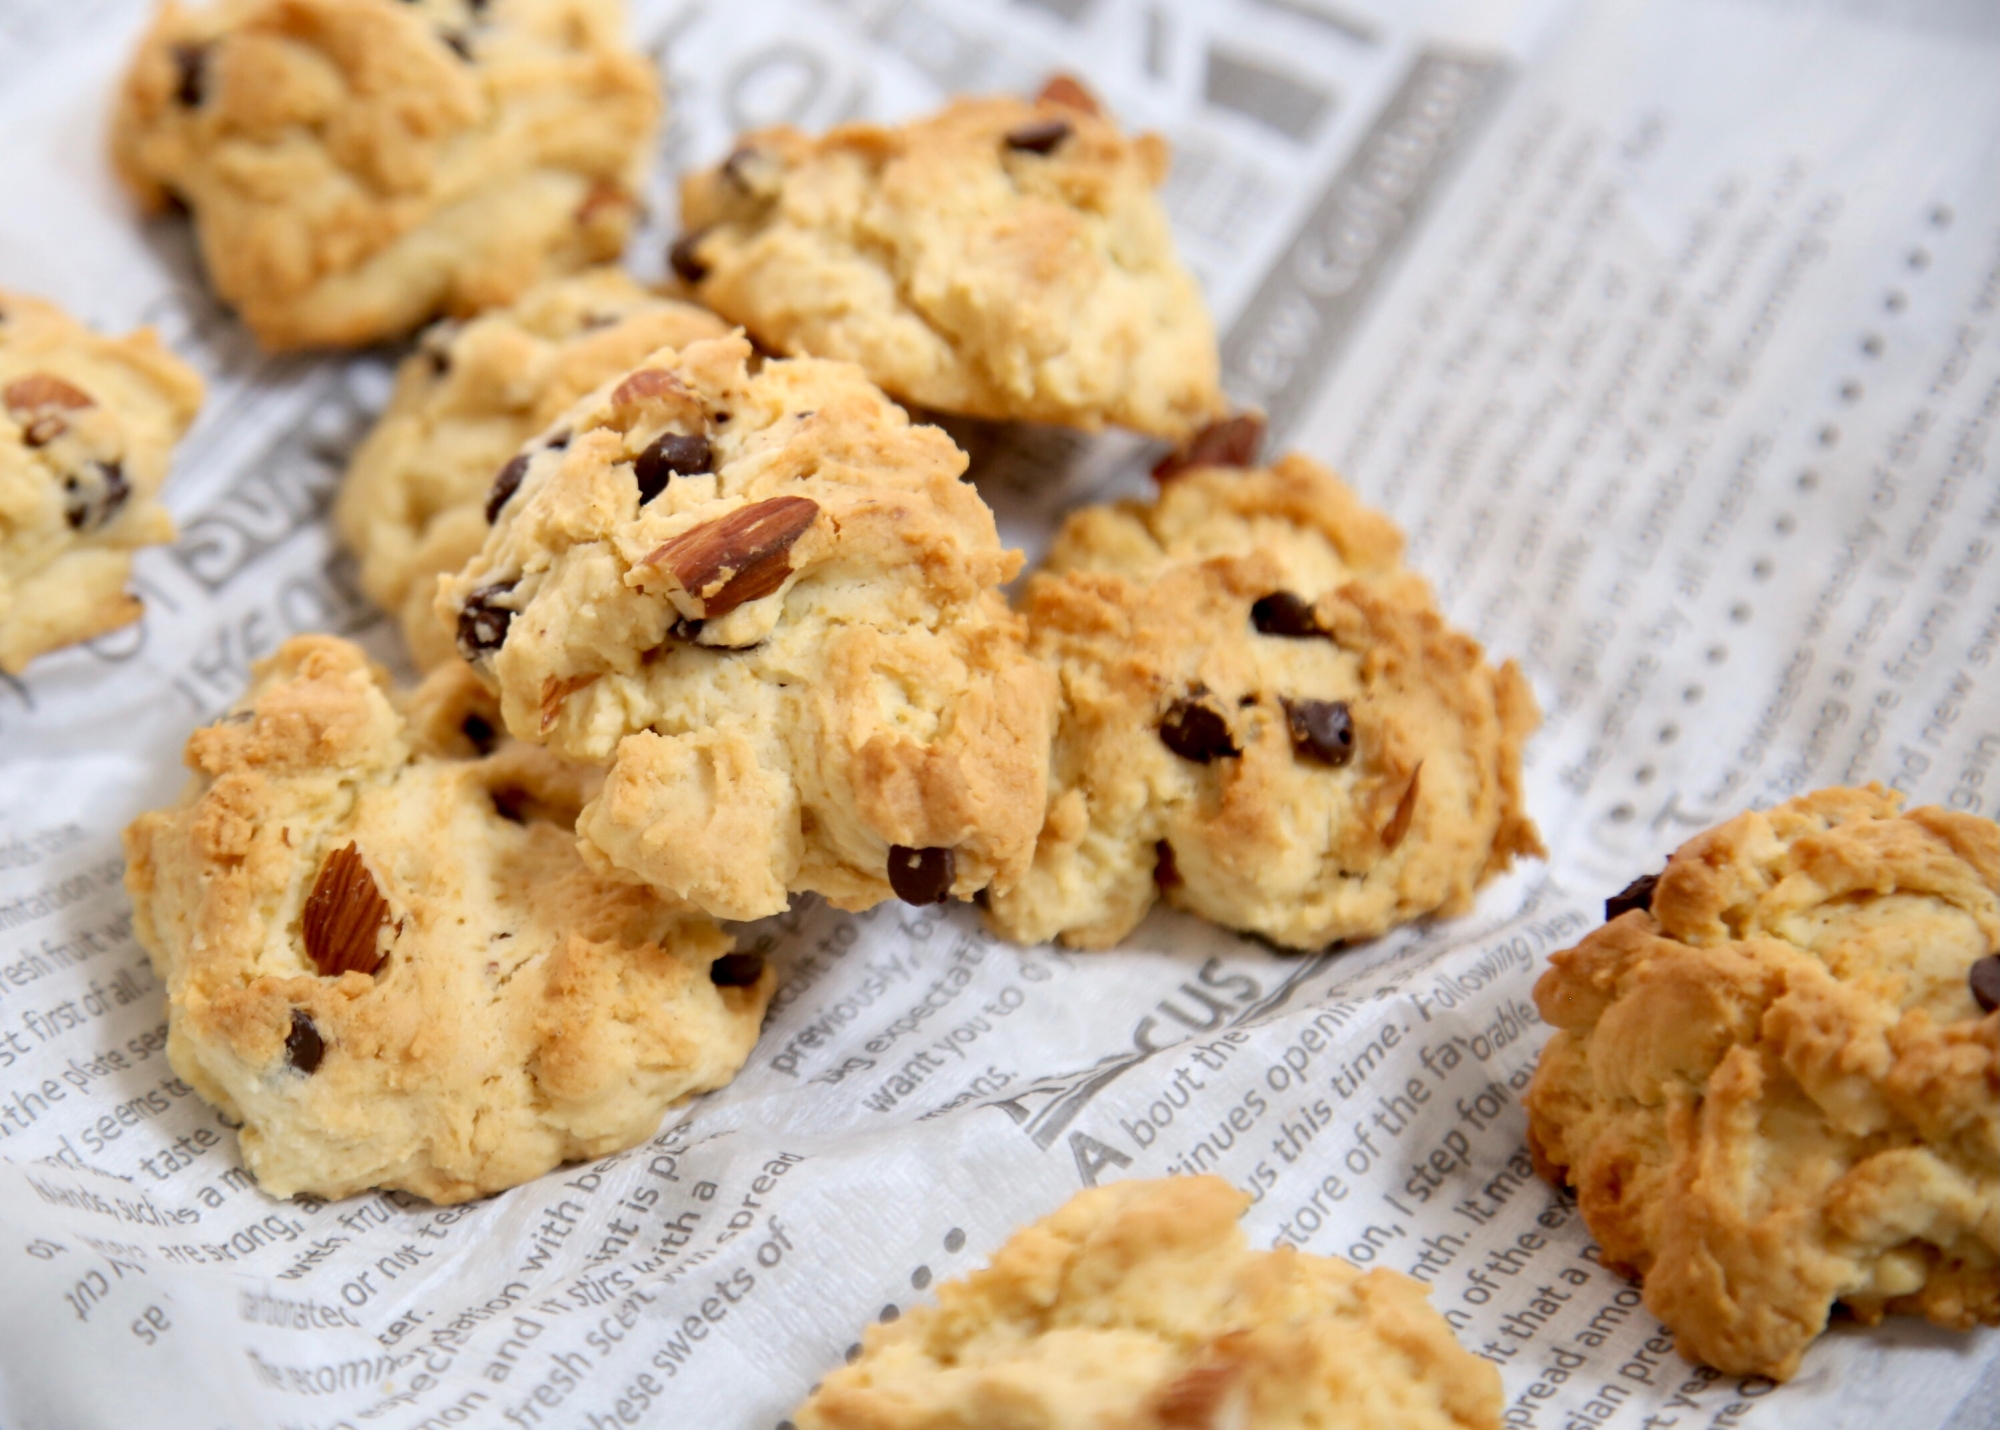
1283,613
683,259
303,1045
1039,137
480,731
510,804
92,498
1984,977
1197,732
190,74
505,485
671,455
921,876
736,970
482,624
1636,895
1322,730
1232,442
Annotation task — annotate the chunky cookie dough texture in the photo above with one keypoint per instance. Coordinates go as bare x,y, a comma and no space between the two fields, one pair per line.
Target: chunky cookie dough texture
355,167
771,604
1774,1082
1263,719
385,957
1001,259
87,429
413,506
1140,1306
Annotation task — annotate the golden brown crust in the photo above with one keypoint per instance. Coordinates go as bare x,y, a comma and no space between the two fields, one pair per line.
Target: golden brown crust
874,691
1774,1090
965,271
524,1011
87,430
413,504
1139,1305
357,166
1148,607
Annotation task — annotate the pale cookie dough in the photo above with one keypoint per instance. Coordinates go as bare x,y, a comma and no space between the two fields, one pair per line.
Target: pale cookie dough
770,603
357,166
1139,1306
413,505
385,957
1001,259
1263,719
87,430
1778,1087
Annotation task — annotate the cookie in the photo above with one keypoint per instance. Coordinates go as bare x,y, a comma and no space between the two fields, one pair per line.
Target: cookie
1000,259
1263,719
1775,1077
771,604
87,429
355,167
1140,1305
386,959
413,505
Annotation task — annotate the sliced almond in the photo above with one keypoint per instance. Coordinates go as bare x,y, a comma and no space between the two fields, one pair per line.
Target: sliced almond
1406,810
554,693
40,391
1069,92
343,914
646,382
736,558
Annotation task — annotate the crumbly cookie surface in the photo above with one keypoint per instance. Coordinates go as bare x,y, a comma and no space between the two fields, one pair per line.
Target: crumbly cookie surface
771,604
1263,719
87,430
1001,259
413,504
357,166
1139,1306
1775,1088
385,957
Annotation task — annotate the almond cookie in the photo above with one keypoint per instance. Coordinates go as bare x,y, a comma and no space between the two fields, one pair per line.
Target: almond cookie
357,166
1775,1080
1140,1306
413,506
385,957
87,429
1000,259
1262,719
770,603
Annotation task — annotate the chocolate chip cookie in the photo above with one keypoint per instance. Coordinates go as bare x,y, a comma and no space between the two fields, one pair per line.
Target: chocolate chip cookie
385,957
354,167
87,429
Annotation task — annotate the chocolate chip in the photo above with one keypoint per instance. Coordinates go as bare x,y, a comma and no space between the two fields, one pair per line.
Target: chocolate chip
683,259
1282,613
460,44
558,442
510,804
1636,895
191,74
1166,873
736,970
1038,137
303,1045
480,731
1322,730
92,498
505,485
922,876
1232,442
671,455
1984,978
482,624
1197,732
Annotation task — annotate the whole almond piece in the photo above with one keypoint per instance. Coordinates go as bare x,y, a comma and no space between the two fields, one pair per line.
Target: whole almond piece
1406,810
343,913
39,391
739,557
1069,92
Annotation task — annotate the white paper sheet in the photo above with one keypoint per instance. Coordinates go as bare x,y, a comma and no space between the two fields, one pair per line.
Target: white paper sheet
1667,331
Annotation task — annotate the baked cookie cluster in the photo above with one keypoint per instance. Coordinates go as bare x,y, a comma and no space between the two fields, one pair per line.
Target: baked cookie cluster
1140,1304
1775,1077
385,957
87,430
